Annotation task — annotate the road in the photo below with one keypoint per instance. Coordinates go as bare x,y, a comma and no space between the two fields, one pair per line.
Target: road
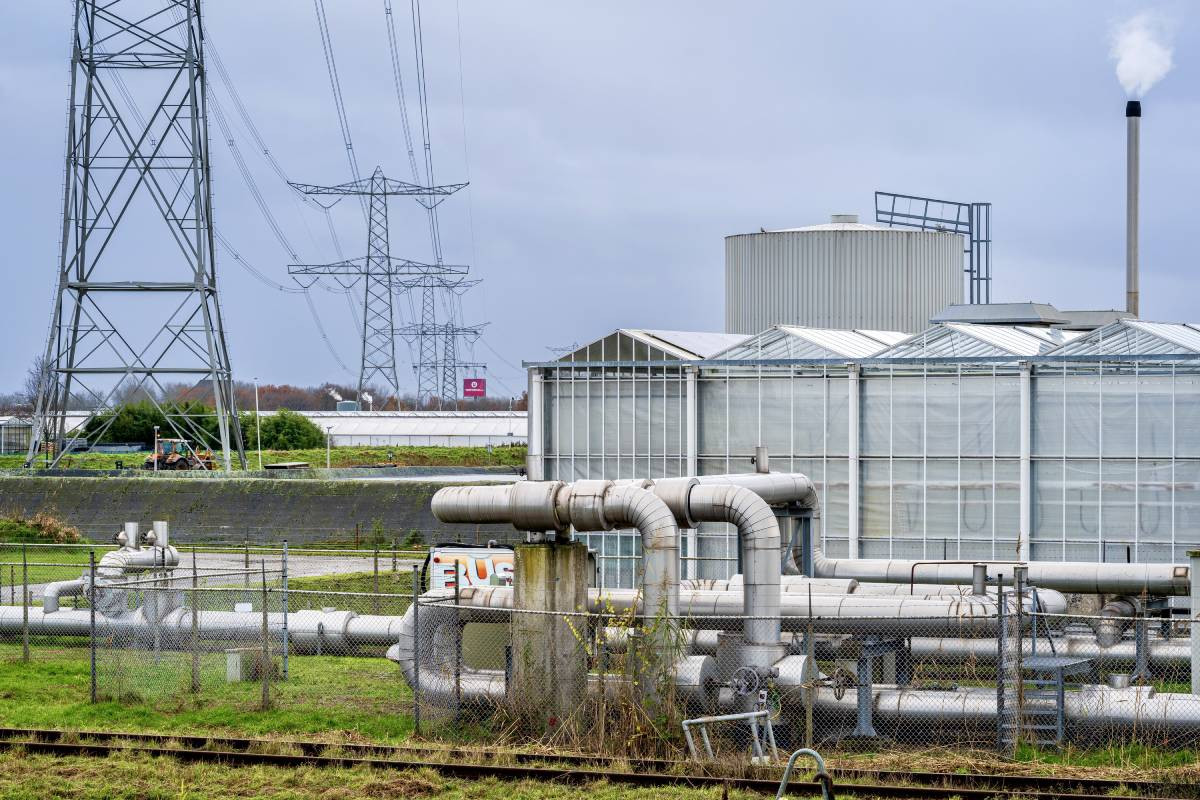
215,568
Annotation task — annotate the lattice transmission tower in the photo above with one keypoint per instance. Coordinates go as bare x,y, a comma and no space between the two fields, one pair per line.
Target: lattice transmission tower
136,303
383,277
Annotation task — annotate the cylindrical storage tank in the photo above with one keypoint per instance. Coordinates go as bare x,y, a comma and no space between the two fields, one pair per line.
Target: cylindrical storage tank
841,275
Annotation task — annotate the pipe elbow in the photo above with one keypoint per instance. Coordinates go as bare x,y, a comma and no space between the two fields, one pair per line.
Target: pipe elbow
53,591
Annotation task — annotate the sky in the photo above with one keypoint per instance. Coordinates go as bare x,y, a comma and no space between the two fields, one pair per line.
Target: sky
611,146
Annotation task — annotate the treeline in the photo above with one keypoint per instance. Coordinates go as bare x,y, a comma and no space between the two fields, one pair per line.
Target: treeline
271,397
135,422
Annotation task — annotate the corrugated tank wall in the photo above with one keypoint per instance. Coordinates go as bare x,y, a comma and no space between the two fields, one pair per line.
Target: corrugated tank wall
881,279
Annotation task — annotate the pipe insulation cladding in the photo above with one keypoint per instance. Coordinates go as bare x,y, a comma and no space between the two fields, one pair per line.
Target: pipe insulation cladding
1133,126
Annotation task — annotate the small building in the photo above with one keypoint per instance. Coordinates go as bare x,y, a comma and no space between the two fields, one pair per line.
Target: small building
15,434
421,428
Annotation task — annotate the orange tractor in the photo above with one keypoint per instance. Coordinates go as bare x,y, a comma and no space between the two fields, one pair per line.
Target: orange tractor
176,454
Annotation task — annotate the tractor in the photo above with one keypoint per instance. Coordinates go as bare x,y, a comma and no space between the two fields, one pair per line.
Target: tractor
176,454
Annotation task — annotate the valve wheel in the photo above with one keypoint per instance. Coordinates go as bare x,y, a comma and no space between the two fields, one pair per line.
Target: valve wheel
745,681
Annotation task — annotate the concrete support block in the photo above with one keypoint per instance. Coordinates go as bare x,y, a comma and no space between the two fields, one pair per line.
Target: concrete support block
549,651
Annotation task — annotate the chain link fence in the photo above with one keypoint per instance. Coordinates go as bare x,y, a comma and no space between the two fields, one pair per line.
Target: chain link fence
605,683
463,665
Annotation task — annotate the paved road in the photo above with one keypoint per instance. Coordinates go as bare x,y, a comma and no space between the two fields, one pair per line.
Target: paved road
209,565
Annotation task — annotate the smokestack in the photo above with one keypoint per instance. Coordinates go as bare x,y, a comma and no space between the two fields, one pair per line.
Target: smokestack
1133,120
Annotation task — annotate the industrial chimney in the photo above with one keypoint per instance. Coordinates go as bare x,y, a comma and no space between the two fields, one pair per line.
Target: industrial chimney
1133,119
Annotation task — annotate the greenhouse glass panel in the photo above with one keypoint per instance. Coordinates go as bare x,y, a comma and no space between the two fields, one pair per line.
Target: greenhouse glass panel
942,416
1083,415
876,411
808,415
978,415
1187,415
876,516
1154,506
1049,421
838,421
908,508
1119,414
1154,425
712,405
908,416
775,418
1081,511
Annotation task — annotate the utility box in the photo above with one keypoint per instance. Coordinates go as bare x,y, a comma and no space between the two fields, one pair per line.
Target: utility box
239,663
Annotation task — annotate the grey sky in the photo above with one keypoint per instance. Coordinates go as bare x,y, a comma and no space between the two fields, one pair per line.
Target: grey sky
613,145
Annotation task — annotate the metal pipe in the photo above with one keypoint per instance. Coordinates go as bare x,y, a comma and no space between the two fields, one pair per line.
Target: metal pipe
1064,576
1133,124
979,580
587,506
1098,709
53,591
1164,653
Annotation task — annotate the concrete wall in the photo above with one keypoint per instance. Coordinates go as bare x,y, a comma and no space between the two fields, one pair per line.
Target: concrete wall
262,510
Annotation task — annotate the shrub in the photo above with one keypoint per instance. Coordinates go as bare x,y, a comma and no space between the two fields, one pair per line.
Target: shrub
283,430
41,527
134,422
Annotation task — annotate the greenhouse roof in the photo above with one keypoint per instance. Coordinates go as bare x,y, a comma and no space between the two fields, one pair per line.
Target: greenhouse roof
682,345
960,339
1136,337
793,341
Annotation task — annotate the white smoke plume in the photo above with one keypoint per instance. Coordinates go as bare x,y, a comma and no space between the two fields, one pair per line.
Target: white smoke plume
333,393
1142,49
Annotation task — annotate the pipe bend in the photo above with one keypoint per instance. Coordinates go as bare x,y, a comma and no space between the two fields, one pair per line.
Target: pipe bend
53,591
639,508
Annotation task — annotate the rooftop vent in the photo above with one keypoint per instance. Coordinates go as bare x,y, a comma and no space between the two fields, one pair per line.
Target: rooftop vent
844,219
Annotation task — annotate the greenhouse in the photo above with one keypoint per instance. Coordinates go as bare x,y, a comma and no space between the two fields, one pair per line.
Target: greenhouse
965,441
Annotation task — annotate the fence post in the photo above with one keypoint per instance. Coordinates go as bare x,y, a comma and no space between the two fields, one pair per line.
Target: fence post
285,610
1019,576
375,583
24,605
810,655
265,664
416,591
1001,666
195,625
92,623
246,563
394,576
457,643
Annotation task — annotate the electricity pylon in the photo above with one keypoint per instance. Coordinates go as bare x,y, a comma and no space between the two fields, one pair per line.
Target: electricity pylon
136,304
382,275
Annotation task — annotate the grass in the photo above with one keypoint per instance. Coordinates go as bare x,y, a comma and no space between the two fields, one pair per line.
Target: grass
25,776
326,697
399,582
505,456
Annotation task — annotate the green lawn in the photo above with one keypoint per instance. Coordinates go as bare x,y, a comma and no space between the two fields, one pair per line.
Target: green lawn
44,564
513,456
326,697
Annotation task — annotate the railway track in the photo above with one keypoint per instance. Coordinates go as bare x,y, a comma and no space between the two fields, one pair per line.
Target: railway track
524,765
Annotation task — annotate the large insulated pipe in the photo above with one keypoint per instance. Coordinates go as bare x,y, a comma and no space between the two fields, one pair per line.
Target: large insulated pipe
588,506
1064,576
1098,710
708,610
693,501
1133,125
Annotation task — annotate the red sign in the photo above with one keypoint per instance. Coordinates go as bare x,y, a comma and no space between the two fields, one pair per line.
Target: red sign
474,387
